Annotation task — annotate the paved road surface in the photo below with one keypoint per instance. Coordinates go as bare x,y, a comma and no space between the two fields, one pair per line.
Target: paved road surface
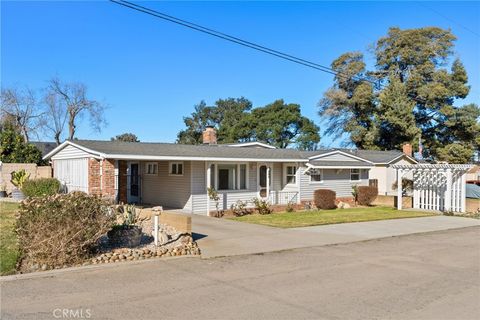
422,276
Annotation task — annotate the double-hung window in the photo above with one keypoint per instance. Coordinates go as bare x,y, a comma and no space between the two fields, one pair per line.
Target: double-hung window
291,174
176,169
354,174
151,168
316,175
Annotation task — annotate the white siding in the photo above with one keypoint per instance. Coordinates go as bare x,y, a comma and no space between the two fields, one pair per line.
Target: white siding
333,179
73,173
71,152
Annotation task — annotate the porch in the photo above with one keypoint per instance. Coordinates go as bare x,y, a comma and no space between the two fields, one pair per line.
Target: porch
184,185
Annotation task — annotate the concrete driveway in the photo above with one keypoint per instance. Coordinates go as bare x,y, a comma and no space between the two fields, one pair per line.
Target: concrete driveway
223,237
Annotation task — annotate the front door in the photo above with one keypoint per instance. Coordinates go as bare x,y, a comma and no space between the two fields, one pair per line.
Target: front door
263,181
133,191
223,179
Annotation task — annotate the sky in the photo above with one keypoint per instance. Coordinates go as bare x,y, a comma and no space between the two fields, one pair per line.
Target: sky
150,73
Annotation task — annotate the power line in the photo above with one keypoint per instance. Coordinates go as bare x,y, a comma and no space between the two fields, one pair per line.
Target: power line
239,41
249,44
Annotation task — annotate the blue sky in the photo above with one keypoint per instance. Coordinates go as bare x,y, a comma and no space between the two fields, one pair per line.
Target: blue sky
151,73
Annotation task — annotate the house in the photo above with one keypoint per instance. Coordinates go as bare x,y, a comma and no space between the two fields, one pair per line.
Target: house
177,176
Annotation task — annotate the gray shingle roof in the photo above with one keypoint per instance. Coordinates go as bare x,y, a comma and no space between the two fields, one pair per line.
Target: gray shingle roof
154,149
44,147
182,150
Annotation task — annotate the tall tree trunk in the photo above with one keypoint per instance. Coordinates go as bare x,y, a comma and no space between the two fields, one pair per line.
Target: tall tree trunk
71,126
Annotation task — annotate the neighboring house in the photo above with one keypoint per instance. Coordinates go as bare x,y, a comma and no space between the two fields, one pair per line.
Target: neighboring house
44,147
473,175
382,175
177,176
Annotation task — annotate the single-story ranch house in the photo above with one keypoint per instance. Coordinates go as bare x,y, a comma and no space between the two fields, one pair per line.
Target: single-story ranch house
177,176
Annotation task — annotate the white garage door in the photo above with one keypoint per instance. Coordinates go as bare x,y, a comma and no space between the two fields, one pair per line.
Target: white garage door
73,173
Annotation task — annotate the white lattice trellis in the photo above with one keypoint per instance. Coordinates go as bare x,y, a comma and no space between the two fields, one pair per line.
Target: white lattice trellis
439,187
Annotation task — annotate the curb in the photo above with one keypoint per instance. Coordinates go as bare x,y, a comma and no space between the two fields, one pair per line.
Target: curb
53,273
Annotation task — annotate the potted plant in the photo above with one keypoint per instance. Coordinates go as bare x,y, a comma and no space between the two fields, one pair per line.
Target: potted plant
3,190
126,233
18,178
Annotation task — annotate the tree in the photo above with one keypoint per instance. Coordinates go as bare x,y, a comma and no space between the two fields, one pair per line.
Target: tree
21,108
74,100
14,148
55,117
415,98
279,124
126,137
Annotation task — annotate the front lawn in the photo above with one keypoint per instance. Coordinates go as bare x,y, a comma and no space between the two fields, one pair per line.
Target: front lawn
8,239
319,217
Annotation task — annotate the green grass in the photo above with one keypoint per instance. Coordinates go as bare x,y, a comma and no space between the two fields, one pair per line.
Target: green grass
320,217
8,240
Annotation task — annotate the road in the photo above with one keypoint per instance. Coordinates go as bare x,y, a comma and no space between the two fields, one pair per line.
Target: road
423,276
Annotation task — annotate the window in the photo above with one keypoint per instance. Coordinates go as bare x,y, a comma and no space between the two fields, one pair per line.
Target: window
354,174
316,175
176,168
151,168
291,175
229,176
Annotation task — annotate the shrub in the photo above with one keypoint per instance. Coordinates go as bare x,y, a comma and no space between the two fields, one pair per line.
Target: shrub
240,209
366,195
41,187
325,199
61,229
19,177
262,206
290,207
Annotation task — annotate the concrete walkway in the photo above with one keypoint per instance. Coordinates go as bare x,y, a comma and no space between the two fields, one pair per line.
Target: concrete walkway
222,237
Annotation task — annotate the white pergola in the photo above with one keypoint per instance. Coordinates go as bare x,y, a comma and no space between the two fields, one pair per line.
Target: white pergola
438,187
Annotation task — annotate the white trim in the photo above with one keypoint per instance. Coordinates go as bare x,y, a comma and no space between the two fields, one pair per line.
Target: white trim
170,163
285,166
359,175
187,158
316,182
255,143
95,154
236,177
311,166
339,152
146,168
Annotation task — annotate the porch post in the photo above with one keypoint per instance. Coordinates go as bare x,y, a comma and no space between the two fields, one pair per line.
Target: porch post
448,192
399,189
268,182
463,200
209,184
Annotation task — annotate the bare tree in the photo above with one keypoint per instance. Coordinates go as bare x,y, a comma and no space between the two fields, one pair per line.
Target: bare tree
73,97
21,107
55,116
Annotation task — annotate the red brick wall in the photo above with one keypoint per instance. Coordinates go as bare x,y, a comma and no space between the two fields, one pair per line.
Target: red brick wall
101,184
94,176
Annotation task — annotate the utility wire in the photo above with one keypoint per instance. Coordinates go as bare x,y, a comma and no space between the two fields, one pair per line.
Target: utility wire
239,41
249,44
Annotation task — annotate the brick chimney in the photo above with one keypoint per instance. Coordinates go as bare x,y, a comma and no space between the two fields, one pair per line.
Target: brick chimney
407,149
209,135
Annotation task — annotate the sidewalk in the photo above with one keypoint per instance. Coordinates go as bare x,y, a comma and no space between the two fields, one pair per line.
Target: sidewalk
222,237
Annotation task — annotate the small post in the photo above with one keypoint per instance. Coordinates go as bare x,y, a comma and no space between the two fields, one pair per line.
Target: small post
463,201
155,229
399,189
448,192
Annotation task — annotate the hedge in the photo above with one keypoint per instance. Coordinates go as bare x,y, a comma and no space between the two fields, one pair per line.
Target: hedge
366,195
41,187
